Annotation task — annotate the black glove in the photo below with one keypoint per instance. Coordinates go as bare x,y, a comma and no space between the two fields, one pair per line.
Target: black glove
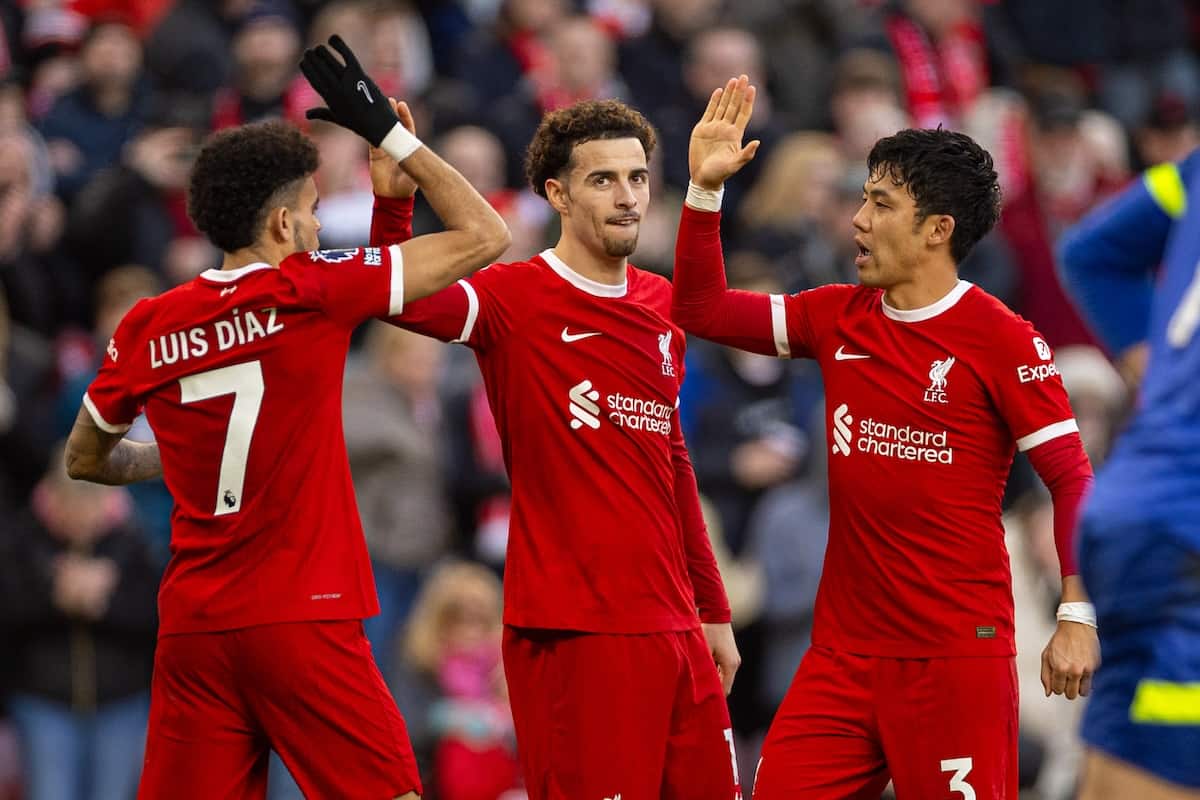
353,99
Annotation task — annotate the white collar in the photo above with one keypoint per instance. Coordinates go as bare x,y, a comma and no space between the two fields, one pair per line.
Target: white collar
579,281
228,275
933,309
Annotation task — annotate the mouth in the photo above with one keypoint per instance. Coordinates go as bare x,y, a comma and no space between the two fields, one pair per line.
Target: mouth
864,253
624,222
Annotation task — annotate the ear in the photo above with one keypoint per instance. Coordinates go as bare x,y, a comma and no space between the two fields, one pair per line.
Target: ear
558,196
941,230
280,224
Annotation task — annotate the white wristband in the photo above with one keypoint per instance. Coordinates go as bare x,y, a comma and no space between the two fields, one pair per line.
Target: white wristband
1077,612
704,199
399,143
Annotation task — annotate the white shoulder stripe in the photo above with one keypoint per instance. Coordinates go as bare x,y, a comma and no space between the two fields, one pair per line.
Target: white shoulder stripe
779,326
100,421
1047,433
472,311
396,294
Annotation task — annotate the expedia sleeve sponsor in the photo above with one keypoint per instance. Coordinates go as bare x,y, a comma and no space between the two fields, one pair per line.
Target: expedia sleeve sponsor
1030,373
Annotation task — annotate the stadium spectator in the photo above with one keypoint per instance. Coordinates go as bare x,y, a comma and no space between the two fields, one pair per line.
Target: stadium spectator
264,84
453,692
397,447
660,52
87,128
134,212
77,589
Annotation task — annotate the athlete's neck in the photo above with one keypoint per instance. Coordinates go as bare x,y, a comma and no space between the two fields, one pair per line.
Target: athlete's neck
257,253
920,292
599,268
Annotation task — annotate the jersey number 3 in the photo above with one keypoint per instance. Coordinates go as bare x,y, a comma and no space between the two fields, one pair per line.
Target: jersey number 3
245,383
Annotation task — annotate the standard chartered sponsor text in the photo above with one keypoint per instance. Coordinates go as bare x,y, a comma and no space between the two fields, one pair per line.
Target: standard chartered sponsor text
638,413
905,443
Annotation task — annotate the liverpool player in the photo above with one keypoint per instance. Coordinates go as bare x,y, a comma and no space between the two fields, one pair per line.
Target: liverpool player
240,374
930,385
610,668
1132,264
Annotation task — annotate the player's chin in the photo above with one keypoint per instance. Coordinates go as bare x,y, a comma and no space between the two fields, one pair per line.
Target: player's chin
621,247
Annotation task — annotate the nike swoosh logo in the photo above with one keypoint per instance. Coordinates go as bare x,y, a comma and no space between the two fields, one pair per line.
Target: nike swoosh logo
575,337
842,355
362,87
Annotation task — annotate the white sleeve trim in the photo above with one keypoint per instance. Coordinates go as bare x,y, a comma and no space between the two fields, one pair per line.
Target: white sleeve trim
100,421
396,294
472,312
779,326
1047,433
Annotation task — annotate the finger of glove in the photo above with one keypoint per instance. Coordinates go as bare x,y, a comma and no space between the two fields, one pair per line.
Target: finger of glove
326,58
338,44
321,113
322,78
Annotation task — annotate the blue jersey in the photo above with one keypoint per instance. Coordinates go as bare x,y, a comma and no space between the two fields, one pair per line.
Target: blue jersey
1133,266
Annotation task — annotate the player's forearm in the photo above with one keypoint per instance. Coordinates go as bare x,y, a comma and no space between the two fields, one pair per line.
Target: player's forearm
460,208
1063,466
707,586
701,301
127,462
391,220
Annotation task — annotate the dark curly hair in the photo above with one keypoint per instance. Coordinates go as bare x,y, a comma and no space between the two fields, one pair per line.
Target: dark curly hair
241,174
549,153
946,173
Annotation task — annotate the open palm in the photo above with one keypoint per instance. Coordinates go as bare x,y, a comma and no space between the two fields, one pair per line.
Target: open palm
715,151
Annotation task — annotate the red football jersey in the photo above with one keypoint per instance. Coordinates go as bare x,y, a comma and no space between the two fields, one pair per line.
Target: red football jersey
240,376
923,409
583,379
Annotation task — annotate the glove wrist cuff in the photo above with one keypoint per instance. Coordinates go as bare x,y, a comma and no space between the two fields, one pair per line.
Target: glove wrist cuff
399,143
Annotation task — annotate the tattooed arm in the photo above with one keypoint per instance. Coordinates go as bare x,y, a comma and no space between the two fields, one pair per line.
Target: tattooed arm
101,457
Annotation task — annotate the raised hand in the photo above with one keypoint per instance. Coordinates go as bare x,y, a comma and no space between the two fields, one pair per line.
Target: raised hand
715,151
351,98
388,178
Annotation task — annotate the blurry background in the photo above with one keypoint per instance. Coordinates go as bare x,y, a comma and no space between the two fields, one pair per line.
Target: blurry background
103,104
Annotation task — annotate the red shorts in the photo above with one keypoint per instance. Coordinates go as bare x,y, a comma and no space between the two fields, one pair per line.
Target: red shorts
940,728
635,717
309,690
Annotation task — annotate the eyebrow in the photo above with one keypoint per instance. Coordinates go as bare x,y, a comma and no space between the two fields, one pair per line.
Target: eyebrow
877,193
610,173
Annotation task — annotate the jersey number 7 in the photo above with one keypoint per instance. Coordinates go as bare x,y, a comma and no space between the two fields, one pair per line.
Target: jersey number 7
245,383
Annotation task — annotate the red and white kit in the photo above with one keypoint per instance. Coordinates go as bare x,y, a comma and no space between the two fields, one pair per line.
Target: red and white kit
911,673
613,689
240,376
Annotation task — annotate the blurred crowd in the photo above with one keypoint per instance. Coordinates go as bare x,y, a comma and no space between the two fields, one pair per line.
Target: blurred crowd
104,103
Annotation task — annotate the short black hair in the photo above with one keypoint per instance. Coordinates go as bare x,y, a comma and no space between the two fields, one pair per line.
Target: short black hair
946,172
241,174
561,131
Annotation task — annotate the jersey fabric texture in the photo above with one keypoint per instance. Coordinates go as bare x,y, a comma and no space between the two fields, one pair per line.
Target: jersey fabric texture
240,376
1132,265
921,404
583,379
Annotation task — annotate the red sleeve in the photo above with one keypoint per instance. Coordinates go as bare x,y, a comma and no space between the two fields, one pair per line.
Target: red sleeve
111,399
1026,387
475,311
352,285
1063,466
702,564
701,302
391,220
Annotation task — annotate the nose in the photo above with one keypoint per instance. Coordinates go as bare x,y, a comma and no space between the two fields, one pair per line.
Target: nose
860,220
625,199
